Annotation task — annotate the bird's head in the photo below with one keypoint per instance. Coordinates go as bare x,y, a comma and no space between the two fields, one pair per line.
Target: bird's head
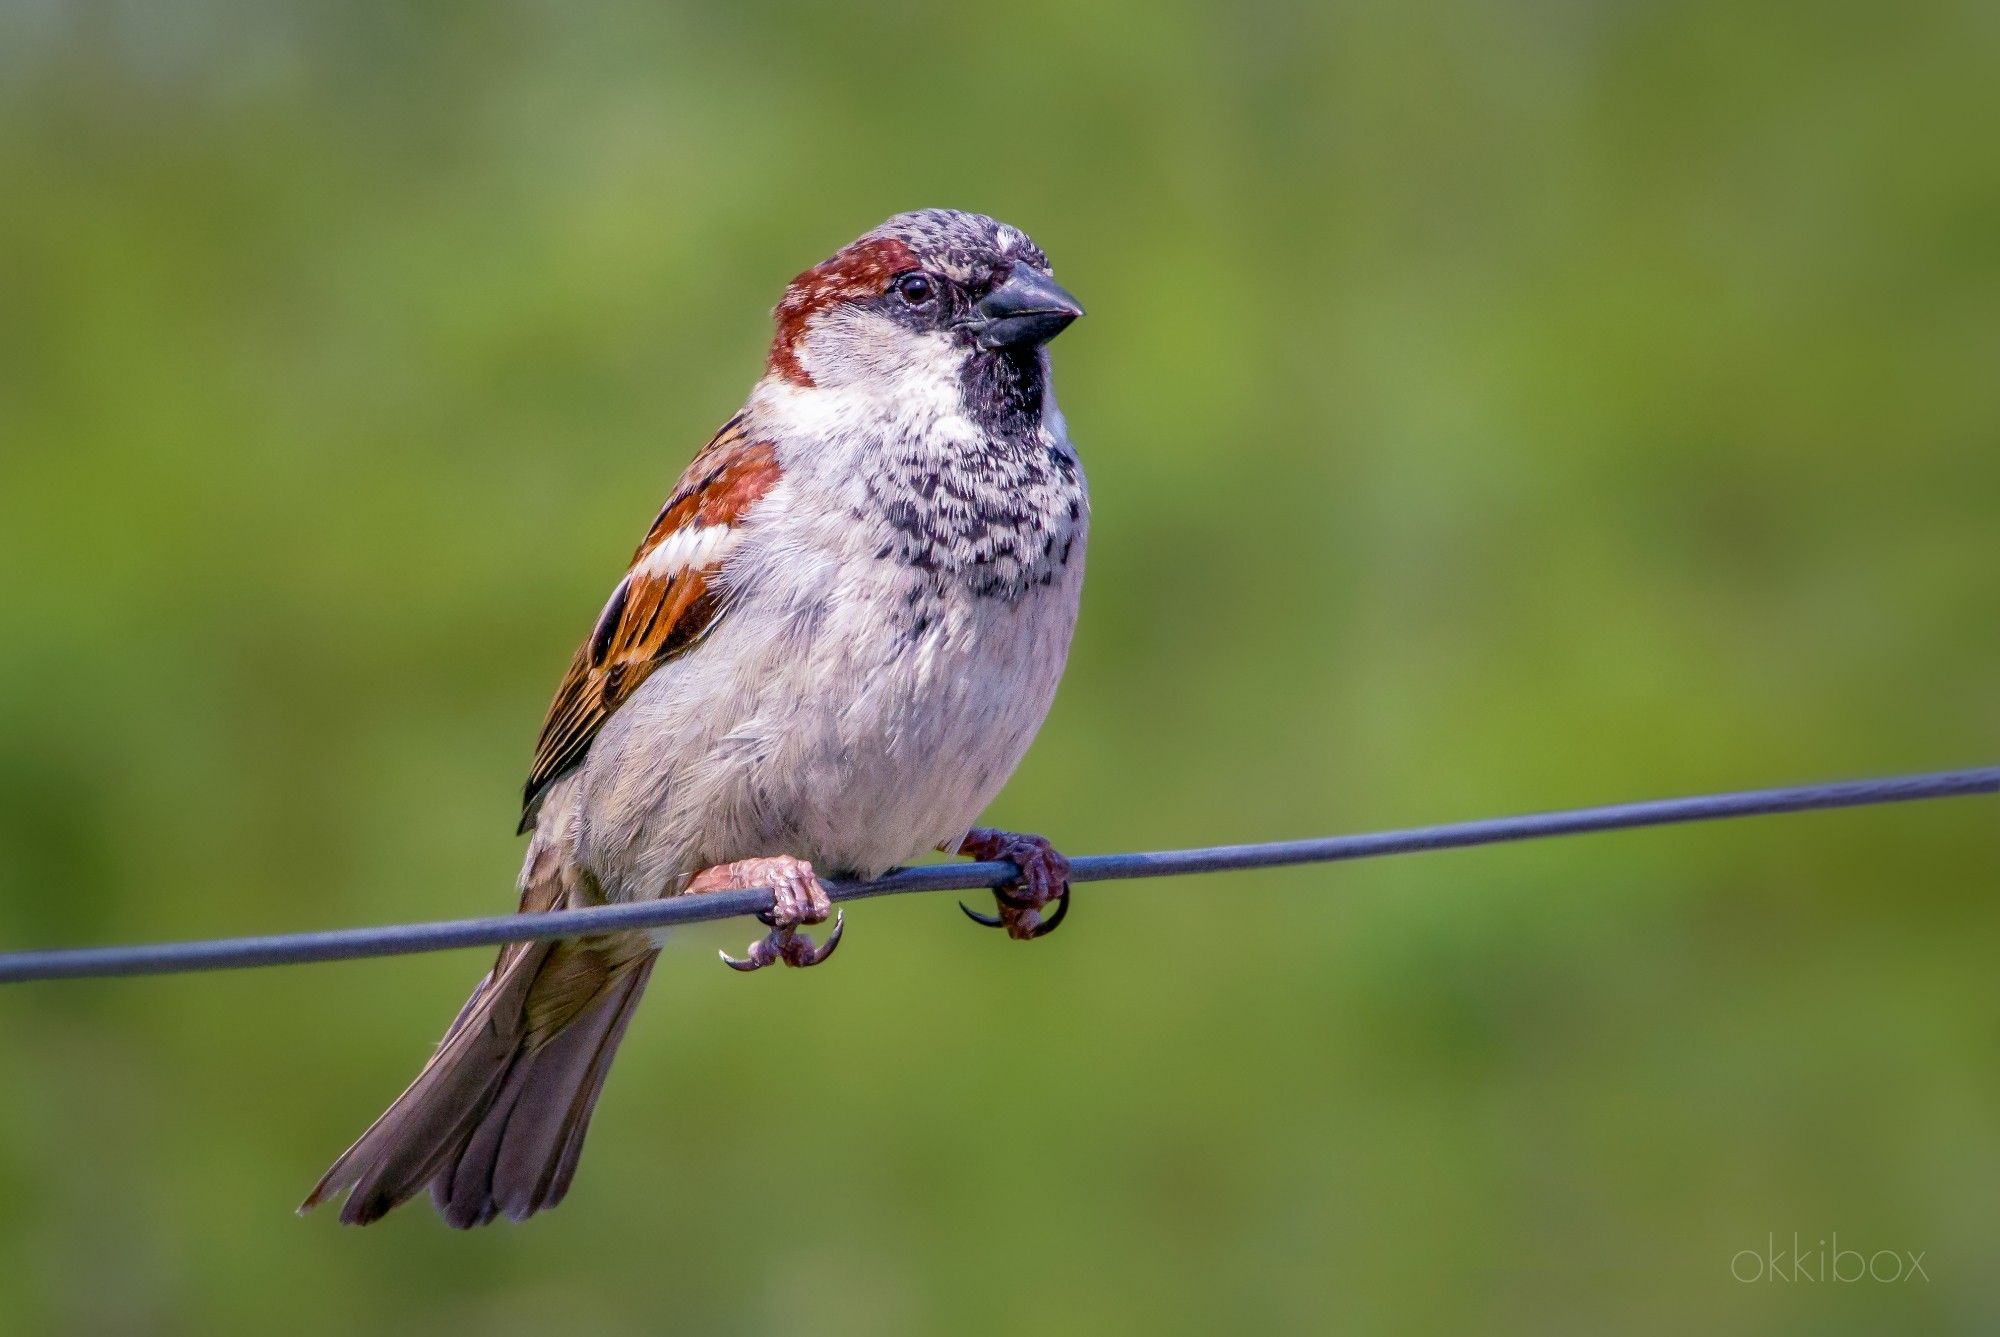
930,299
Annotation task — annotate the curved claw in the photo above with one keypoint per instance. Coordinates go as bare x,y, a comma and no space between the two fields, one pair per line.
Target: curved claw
755,961
814,955
1040,881
1048,926
987,921
788,945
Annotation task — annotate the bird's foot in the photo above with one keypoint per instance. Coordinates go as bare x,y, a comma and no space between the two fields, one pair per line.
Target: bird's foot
800,900
1044,878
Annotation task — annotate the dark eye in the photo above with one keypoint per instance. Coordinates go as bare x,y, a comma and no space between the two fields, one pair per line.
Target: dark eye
915,287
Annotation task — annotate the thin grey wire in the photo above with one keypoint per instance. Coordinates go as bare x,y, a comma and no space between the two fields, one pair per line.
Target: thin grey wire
395,939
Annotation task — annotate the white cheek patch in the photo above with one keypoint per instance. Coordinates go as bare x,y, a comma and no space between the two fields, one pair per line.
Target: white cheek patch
871,352
686,549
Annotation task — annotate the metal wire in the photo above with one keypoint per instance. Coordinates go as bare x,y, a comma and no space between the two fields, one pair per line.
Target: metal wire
395,939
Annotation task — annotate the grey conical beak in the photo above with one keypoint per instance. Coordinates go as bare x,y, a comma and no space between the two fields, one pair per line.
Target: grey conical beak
1029,308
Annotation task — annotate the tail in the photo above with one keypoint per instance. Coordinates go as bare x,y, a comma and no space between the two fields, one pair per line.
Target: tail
495,1121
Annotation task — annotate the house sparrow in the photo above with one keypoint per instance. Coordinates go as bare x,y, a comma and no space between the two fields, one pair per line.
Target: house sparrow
833,647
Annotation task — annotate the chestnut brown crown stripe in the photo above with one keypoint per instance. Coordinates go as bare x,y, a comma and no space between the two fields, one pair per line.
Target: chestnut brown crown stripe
857,271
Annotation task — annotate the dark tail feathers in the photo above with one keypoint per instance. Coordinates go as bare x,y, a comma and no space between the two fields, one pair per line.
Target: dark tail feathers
495,1121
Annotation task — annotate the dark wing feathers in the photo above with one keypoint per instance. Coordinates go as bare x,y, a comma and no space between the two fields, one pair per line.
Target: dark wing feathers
660,608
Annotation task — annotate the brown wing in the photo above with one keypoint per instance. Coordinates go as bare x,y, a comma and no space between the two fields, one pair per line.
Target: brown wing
661,607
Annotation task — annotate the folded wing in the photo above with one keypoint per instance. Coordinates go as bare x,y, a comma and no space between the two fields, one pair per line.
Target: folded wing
662,606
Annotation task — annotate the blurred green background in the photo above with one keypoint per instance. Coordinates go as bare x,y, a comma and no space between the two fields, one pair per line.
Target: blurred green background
1489,407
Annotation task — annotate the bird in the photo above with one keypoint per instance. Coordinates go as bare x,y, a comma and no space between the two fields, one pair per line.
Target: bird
833,647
